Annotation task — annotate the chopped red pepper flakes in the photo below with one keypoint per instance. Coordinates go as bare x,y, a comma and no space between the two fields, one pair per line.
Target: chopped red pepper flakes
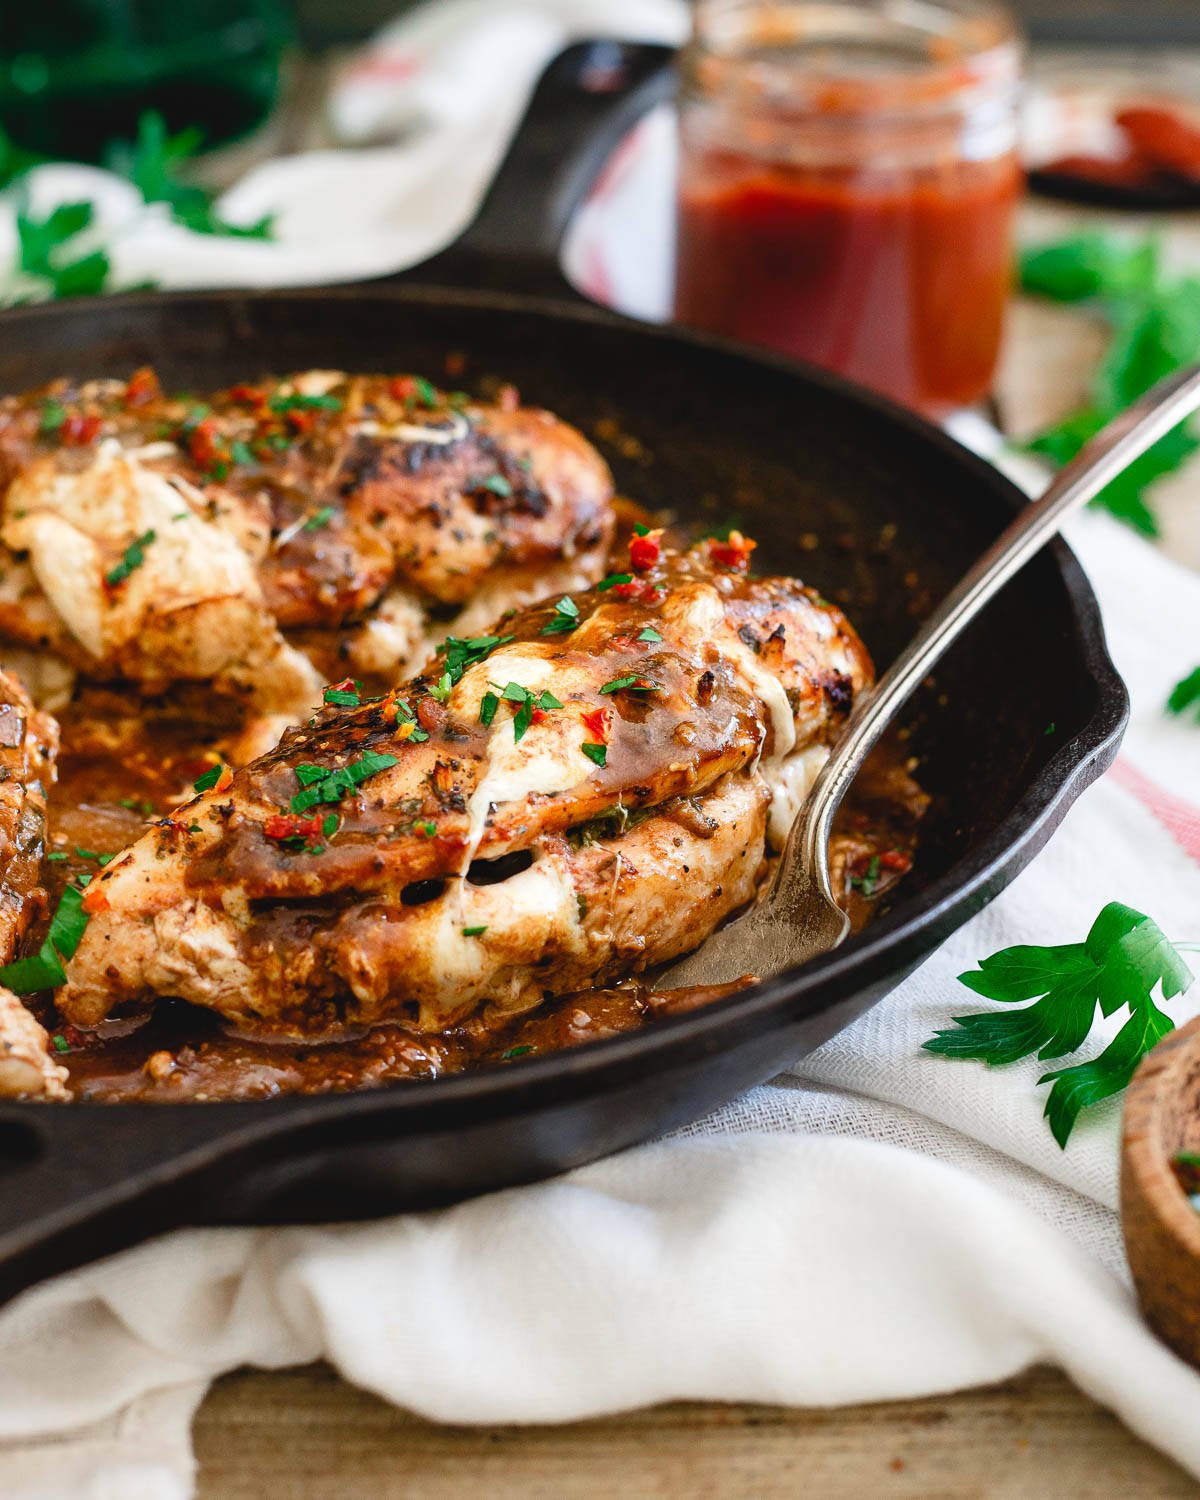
895,859
640,589
596,723
78,430
431,715
403,388
645,551
536,715
94,900
248,395
293,826
299,419
734,553
204,444
142,388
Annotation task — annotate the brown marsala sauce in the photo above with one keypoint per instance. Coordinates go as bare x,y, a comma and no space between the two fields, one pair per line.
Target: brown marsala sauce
124,761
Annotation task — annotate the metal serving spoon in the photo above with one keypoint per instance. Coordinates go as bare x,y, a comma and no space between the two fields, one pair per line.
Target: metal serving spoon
795,917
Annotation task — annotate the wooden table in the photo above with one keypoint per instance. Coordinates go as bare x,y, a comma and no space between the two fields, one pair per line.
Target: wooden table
305,1435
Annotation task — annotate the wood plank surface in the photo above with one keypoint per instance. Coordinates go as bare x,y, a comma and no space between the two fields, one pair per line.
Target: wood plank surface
305,1435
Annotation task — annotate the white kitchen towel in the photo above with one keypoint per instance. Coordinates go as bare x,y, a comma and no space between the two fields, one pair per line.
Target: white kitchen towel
877,1223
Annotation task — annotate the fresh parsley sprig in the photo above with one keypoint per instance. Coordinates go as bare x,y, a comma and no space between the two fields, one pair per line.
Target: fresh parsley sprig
1185,695
1124,958
152,163
1156,329
46,254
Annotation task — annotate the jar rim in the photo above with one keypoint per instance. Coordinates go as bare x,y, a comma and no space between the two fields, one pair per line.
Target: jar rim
845,58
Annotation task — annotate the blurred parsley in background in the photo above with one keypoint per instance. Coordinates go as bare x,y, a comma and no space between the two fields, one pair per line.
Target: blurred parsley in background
1155,321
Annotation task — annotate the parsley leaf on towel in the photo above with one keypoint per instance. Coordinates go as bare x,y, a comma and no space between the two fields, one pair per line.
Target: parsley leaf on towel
43,250
1155,324
152,164
1185,695
1123,959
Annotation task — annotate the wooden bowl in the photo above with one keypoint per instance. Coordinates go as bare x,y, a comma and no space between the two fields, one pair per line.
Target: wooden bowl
1162,1229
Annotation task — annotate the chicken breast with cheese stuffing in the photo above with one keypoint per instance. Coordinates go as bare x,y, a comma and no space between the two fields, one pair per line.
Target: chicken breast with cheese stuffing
586,790
163,539
28,744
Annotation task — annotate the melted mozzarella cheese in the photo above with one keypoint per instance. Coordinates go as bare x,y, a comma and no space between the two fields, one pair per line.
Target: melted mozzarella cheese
541,761
526,912
790,783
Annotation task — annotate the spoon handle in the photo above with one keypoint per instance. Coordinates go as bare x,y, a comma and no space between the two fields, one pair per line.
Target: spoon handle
1108,454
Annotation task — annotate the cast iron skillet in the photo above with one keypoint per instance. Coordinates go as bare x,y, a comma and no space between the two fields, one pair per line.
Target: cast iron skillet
1025,712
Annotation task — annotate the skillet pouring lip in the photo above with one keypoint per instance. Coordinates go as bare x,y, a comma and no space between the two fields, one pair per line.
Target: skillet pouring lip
888,947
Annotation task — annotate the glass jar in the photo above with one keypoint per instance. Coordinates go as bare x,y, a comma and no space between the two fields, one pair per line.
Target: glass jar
848,181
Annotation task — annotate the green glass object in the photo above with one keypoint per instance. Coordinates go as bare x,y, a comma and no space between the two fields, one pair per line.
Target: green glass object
78,74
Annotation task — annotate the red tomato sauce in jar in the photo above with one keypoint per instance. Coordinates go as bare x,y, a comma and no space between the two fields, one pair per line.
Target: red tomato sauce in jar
866,228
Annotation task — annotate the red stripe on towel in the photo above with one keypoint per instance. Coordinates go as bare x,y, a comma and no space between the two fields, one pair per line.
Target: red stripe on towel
1180,818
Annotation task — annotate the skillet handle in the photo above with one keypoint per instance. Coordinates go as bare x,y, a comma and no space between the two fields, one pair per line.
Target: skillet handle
70,1192
584,102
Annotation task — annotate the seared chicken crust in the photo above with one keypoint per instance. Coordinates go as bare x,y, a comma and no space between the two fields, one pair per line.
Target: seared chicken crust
28,744
587,790
162,539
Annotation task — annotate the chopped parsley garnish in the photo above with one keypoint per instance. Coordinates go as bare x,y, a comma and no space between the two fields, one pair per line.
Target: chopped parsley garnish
528,704
497,484
343,695
649,635
461,654
634,683
869,879
640,530
405,716
44,970
135,556
426,828
598,753
613,580
322,784
565,617
1124,958
515,1052
57,855
241,452
54,414
209,779
59,1042
320,518
442,688
488,705
474,931
101,859
426,391
299,402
